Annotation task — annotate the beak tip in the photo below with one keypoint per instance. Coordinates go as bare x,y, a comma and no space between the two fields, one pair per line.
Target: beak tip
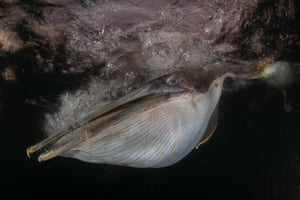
47,156
29,151
40,159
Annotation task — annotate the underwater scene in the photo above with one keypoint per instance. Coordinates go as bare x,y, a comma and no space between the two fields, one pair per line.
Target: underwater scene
150,99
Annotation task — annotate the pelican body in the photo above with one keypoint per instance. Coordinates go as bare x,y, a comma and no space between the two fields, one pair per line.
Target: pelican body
154,126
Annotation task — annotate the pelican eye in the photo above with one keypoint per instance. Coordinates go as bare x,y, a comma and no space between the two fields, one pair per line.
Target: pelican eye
172,81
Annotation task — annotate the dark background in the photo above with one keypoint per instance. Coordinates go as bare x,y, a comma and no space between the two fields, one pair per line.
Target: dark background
254,154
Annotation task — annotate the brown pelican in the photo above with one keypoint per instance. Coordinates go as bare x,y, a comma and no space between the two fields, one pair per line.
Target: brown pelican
154,126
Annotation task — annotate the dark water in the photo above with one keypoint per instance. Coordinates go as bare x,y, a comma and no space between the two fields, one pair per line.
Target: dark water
254,154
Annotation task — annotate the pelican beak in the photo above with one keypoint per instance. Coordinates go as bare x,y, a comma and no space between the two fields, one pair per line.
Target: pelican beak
76,134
